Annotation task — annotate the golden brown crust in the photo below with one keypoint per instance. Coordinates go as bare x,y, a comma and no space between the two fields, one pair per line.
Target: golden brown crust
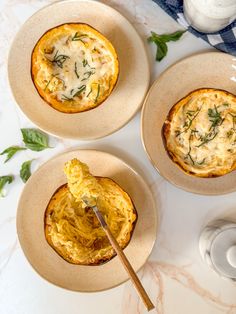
166,132
75,105
63,253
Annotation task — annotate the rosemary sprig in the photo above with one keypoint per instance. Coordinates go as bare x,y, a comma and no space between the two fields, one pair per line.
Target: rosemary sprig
75,70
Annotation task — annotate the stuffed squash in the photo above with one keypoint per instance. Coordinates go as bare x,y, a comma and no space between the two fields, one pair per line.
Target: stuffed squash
200,133
73,230
74,67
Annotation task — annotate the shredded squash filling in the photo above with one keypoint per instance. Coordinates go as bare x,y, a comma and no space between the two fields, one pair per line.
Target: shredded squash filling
73,229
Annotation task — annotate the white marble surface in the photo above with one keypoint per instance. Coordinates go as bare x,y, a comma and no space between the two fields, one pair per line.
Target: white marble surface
175,276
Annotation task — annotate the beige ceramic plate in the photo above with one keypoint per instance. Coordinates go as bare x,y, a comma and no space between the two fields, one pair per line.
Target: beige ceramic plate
130,89
30,223
212,69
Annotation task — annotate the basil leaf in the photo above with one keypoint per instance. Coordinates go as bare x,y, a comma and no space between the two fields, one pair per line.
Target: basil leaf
172,37
4,180
25,171
10,151
161,50
161,40
35,139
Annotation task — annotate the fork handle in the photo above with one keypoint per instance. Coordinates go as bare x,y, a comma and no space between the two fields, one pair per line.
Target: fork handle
133,276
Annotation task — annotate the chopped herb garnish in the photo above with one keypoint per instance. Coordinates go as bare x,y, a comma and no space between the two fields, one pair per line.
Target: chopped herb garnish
214,117
98,92
80,90
59,59
189,154
208,137
201,162
89,92
53,75
78,37
76,72
64,97
84,62
234,121
191,115
230,133
177,133
87,75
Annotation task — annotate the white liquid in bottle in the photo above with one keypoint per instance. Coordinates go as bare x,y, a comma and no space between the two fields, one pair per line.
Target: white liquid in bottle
209,15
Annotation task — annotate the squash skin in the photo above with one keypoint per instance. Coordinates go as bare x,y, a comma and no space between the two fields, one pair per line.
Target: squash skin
67,106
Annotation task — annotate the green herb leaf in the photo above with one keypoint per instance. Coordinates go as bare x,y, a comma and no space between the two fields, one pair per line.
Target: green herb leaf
89,92
162,50
84,62
10,151
64,97
35,139
59,59
214,117
25,172
77,37
161,40
87,75
3,181
80,90
171,37
76,71
98,93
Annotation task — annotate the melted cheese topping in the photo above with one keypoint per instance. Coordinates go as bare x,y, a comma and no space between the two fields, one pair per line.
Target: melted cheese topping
73,230
200,133
74,67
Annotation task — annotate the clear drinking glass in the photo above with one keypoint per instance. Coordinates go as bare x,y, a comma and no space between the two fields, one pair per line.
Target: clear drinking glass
209,16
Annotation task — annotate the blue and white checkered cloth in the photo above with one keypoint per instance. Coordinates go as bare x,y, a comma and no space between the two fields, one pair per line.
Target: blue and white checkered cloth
224,40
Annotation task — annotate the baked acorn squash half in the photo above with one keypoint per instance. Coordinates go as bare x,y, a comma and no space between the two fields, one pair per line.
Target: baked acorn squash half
73,230
200,133
74,67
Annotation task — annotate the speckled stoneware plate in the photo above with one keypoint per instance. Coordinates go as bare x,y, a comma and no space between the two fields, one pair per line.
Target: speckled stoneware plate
124,101
30,223
211,69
